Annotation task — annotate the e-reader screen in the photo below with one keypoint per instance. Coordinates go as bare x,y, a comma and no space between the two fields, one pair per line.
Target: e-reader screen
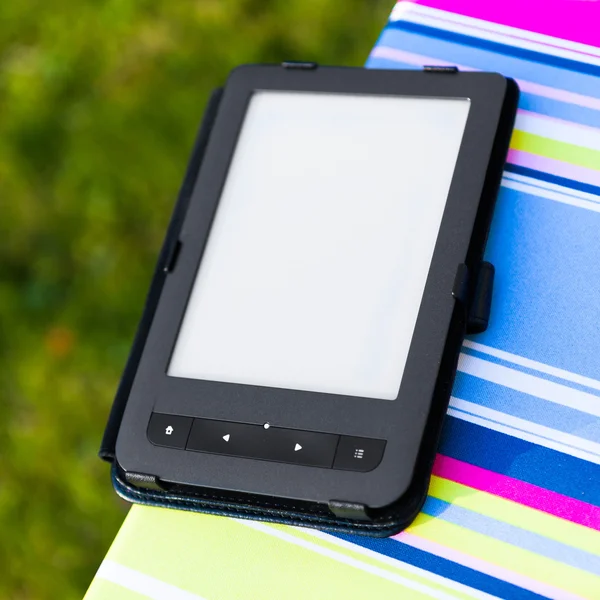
318,255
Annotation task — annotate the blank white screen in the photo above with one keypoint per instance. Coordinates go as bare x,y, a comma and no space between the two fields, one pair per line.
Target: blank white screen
316,262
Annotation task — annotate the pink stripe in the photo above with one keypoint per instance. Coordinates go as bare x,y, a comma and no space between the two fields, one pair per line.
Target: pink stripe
526,86
413,59
556,167
522,581
519,491
575,20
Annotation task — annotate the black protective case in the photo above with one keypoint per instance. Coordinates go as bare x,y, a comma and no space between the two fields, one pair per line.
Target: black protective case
472,293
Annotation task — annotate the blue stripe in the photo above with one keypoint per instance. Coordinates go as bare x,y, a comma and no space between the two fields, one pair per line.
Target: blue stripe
497,47
523,406
442,566
547,288
375,62
510,534
519,431
563,181
547,377
560,110
521,460
489,61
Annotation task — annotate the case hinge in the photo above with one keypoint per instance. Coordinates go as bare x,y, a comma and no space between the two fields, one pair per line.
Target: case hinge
149,482
349,510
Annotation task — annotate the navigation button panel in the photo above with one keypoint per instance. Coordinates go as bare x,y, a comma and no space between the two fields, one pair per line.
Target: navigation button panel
254,441
309,448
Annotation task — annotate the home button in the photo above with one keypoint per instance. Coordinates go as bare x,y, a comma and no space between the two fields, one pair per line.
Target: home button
169,430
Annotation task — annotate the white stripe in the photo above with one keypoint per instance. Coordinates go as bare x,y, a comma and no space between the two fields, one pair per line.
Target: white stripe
554,435
534,364
550,195
526,86
342,558
553,187
543,43
522,435
141,583
558,129
394,562
529,384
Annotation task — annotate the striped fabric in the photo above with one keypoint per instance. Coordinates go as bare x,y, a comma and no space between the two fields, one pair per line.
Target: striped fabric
514,505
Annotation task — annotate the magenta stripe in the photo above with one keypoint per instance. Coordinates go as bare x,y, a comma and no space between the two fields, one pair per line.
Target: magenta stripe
477,564
483,29
555,167
566,19
524,493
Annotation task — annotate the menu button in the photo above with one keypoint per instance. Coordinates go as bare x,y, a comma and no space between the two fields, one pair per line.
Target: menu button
358,454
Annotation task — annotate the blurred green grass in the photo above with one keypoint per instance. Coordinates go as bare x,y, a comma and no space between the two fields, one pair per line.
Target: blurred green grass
99,105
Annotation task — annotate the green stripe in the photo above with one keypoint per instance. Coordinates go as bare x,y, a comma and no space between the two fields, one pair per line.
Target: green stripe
106,590
221,559
563,151
521,516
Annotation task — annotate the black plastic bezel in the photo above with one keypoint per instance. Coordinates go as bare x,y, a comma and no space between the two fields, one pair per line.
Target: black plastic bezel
439,331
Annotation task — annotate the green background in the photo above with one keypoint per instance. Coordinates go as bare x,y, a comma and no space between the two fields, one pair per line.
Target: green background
99,105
